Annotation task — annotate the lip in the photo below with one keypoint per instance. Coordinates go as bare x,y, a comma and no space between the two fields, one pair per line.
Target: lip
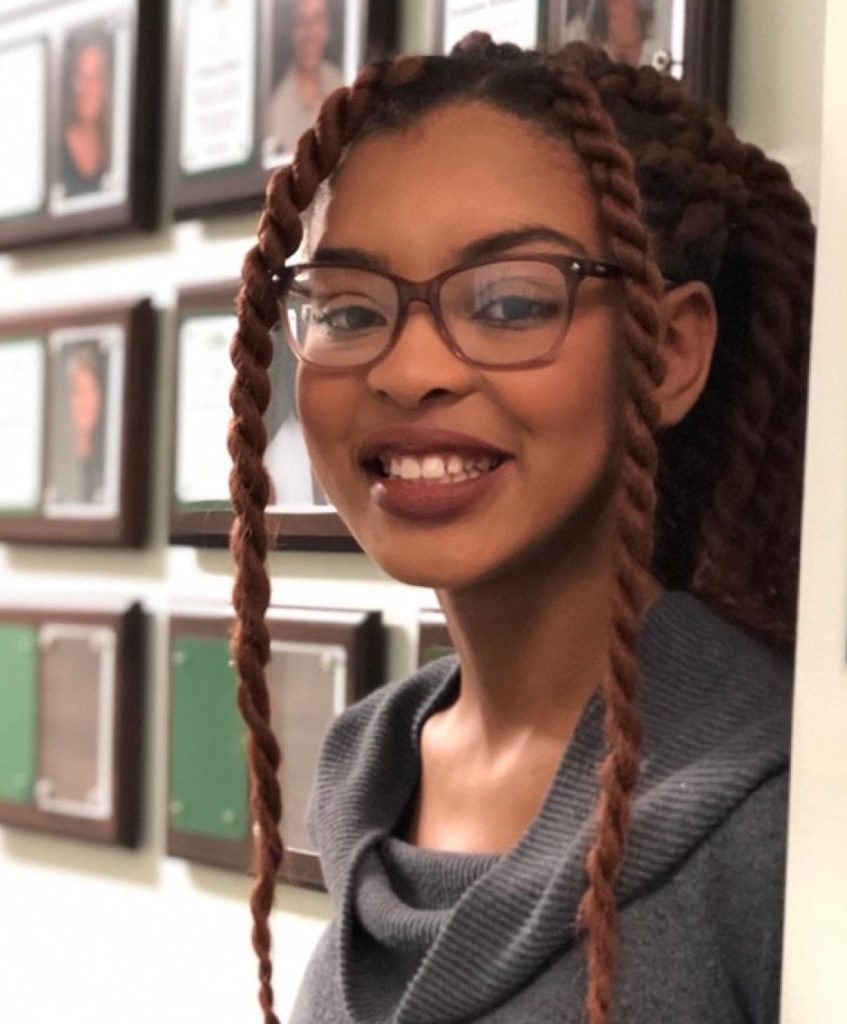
417,499
409,440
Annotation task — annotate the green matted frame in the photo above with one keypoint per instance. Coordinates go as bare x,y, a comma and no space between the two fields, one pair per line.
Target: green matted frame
61,728
340,654
238,185
123,521
206,523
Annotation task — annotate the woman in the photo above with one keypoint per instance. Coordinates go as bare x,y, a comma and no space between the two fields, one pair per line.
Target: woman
84,145
536,284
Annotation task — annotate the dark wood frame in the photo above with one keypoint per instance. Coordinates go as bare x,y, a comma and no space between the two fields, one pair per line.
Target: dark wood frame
210,526
240,189
360,633
432,630
123,827
140,210
708,25
129,527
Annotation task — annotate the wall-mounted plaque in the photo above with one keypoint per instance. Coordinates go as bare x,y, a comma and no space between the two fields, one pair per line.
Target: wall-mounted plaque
299,515
433,637
250,77
321,661
80,95
686,38
75,423
71,714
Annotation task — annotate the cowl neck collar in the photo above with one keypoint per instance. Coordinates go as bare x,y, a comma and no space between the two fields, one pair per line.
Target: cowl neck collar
714,710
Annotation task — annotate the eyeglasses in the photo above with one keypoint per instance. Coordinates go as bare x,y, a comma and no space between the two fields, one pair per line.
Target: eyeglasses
504,313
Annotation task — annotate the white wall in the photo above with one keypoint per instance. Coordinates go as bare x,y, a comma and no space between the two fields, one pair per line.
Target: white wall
91,934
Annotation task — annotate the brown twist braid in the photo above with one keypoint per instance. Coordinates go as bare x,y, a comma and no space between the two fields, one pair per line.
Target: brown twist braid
730,476
289,192
610,168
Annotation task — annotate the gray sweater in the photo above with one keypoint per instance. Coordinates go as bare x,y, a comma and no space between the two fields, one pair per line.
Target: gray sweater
431,937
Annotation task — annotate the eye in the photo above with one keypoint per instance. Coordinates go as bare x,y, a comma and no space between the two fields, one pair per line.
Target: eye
348,319
517,311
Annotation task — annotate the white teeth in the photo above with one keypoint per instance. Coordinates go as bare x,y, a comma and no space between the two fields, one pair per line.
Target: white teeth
432,467
449,468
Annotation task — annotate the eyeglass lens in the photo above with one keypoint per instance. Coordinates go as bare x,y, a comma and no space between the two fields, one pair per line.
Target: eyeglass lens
500,313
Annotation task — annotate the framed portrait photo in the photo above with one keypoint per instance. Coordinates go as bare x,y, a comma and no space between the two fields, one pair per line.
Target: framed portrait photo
71,709
79,92
686,38
321,661
299,515
250,77
76,419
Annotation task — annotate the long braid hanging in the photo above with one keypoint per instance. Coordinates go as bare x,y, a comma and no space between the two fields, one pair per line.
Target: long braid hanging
289,192
610,169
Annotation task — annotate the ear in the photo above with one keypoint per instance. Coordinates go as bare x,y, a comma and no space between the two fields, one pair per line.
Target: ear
688,328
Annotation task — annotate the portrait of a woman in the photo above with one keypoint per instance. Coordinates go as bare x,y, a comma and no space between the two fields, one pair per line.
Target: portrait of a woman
552,330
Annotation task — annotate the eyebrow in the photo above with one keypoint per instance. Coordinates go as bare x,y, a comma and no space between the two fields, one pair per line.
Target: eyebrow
480,248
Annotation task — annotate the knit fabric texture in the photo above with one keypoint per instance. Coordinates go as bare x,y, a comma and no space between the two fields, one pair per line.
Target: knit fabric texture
434,937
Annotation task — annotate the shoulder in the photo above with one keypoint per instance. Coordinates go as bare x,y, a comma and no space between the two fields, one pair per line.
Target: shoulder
707,681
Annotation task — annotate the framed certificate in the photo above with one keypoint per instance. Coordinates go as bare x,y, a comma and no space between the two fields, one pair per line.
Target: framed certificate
250,77
86,154
71,708
299,515
76,420
321,661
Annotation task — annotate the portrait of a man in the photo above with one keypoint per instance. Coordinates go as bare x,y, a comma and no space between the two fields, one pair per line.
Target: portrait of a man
308,46
632,31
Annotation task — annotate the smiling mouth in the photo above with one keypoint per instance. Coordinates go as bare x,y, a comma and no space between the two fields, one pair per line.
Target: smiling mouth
435,468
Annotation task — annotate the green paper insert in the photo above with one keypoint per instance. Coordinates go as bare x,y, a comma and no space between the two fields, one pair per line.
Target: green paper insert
18,711
208,768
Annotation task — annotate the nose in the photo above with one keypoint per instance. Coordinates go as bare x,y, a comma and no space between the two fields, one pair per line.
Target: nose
420,367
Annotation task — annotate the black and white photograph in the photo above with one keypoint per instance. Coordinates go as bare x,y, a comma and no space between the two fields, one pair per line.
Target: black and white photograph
84,421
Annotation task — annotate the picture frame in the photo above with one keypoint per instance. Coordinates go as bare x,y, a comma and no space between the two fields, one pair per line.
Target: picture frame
228,62
201,511
433,636
76,386
321,661
687,38
87,134
71,721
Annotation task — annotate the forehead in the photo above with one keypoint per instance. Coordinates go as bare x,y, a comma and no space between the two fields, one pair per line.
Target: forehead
418,196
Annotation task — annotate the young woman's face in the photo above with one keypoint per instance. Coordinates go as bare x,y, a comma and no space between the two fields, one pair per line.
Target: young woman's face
414,201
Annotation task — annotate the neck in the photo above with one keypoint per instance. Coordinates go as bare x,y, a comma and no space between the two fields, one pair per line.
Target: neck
533,646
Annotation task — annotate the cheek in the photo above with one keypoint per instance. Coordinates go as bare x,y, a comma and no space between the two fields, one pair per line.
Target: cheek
327,406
